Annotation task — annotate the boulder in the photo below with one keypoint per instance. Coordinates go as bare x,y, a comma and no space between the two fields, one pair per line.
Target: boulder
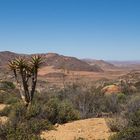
111,89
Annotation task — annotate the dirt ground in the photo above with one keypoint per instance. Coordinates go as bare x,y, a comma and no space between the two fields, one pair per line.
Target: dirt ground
78,76
89,129
3,119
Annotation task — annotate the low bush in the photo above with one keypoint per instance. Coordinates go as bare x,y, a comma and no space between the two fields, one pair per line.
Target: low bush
19,132
7,97
36,125
67,113
87,100
116,124
60,111
132,115
33,111
4,85
131,133
122,98
24,124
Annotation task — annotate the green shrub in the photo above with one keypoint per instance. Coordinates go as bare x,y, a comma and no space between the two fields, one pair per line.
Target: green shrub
112,104
121,97
17,114
33,111
135,119
37,125
88,100
8,98
20,132
24,124
66,112
2,97
6,85
60,111
11,100
132,107
131,133
116,124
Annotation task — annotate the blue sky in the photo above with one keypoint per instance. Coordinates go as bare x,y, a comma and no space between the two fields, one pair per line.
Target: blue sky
100,29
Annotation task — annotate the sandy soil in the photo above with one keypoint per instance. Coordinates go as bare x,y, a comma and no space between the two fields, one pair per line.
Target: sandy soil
3,119
109,73
90,129
2,106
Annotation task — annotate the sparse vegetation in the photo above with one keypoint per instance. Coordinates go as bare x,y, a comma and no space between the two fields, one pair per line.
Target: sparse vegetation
58,105
131,114
6,85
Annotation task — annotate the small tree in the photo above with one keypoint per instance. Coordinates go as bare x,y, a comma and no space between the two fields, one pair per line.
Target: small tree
25,73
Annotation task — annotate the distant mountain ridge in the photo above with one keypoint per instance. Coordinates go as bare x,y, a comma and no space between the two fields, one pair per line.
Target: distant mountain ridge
55,60
101,63
125,63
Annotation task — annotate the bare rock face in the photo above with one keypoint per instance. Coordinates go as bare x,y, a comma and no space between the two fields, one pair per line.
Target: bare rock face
111,89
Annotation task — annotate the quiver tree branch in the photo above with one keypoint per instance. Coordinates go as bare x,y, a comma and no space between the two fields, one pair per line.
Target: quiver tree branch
36,62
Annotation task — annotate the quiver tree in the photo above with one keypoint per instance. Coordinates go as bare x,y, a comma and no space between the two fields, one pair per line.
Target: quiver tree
25,73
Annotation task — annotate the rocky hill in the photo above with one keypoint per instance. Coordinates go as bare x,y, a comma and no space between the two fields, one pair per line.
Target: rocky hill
69,63
55,60
101,63
132,77
5,56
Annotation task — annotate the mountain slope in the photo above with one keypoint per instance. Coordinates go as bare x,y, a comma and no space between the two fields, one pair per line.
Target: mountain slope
55,60
101,63
5,56
69,63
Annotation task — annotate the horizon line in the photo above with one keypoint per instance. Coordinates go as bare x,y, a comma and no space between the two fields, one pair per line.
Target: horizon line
90,58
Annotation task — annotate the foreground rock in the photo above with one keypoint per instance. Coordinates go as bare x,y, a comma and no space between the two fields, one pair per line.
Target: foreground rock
111,89
2,106
90,129
3,120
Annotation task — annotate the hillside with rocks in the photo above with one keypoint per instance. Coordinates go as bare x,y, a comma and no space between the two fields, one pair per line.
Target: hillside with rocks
55,60
5,56
103,64
69,63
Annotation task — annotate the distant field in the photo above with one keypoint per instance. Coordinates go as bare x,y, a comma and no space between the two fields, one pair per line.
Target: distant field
58,76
